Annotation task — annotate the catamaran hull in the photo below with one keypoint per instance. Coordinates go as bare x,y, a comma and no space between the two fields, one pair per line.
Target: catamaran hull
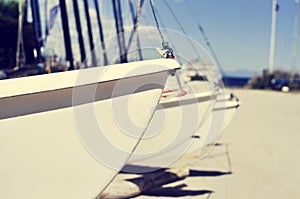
75,151
223,112
171,130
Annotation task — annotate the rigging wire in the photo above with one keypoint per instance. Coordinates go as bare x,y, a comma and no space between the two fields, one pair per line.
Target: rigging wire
166,51
156,21
163,26
182,29
200,28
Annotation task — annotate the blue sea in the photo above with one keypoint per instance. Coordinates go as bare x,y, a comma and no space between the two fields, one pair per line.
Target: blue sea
235,81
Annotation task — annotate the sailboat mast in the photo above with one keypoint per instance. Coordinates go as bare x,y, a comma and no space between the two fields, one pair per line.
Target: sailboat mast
273,31
20,54
134,21
38,29
79,32
46,19
120,30
66,32
90,32
295,36
101,32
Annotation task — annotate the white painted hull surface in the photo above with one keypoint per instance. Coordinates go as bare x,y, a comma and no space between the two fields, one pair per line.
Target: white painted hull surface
223,111
67,135
172,128
230,106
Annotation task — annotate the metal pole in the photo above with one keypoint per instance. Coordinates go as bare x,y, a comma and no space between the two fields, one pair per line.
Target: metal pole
46,20
134,21
101,32
66,32
90,32
20,55
79,32
38,29
120,30
295,36
272,40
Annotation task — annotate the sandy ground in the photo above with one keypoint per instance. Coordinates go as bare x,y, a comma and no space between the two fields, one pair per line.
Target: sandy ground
262,143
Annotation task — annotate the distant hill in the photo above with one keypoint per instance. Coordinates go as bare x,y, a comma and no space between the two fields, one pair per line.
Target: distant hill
241,73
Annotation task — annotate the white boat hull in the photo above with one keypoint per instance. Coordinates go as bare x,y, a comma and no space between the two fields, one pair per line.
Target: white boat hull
170,132
223,112
60,144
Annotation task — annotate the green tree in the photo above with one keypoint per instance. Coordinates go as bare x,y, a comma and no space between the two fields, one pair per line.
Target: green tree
8,33
9,14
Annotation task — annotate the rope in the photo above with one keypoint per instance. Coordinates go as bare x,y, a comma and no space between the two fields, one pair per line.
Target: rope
134,27
137,26
182,29
156,21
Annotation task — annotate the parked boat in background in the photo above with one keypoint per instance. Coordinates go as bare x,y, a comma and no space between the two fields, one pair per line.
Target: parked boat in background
223,110
180,128
181,112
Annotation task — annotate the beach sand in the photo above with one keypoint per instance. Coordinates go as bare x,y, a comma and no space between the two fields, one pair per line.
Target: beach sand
257,156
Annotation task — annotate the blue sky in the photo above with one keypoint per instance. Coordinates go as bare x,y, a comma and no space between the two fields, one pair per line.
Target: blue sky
239,30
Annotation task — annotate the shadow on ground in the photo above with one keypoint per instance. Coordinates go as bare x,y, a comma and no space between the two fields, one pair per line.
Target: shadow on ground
136,169
176,191
161,189
197,173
